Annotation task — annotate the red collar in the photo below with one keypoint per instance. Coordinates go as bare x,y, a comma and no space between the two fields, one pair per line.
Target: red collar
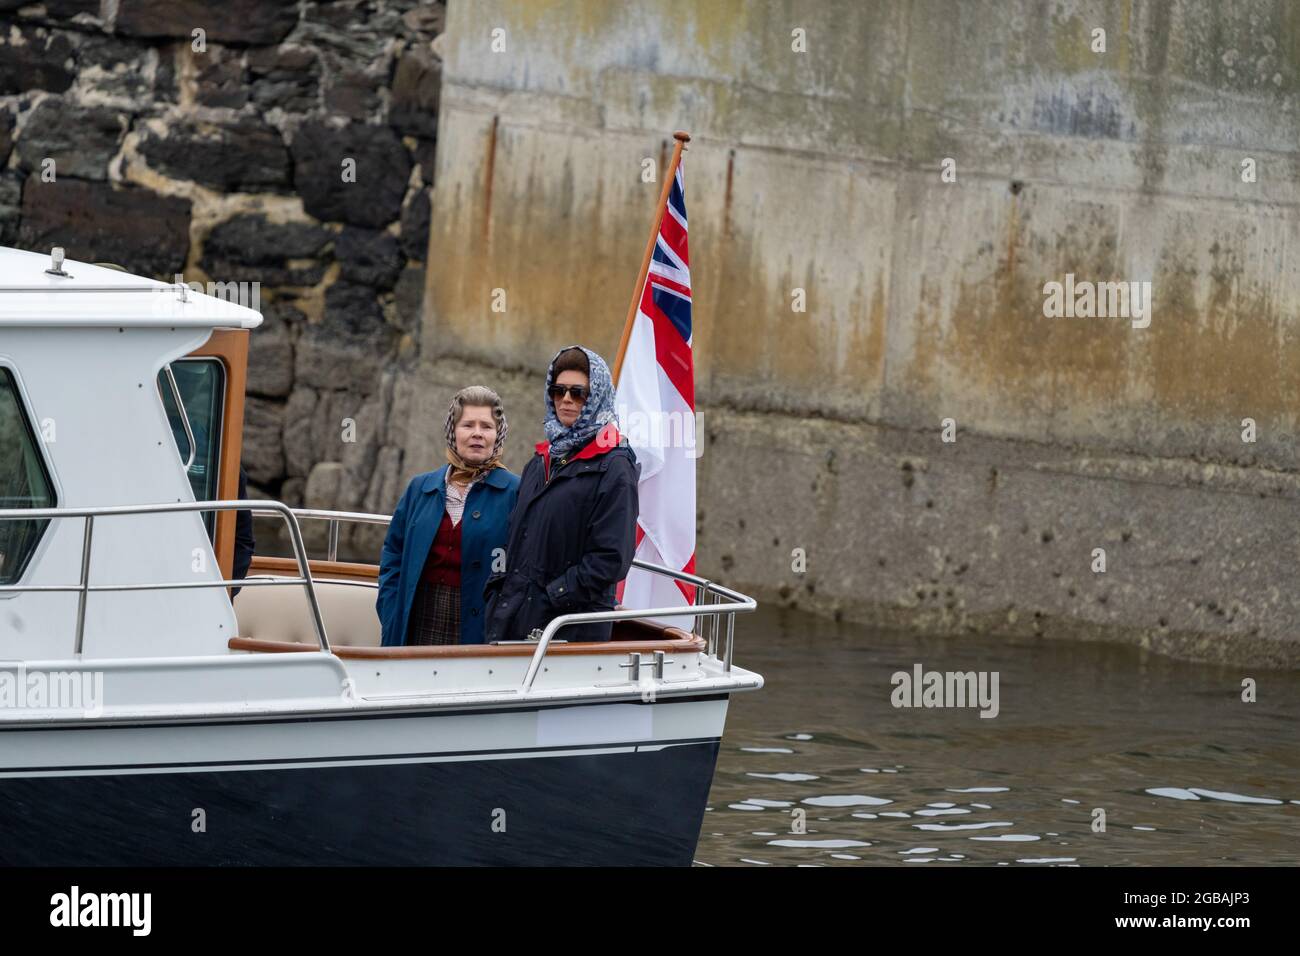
607,438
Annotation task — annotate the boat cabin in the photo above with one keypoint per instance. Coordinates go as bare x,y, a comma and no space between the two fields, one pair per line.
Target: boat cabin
133,691
118,391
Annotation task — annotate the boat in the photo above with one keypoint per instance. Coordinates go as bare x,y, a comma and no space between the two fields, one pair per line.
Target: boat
146,720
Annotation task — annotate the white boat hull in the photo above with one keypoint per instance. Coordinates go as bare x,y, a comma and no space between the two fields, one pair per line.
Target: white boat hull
593,775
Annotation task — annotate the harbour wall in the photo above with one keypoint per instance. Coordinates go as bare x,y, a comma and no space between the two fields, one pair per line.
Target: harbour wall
896,428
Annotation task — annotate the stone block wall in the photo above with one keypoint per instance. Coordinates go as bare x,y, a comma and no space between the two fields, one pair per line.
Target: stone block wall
203,139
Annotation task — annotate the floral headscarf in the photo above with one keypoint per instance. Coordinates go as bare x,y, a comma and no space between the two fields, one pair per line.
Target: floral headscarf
596,413
474,395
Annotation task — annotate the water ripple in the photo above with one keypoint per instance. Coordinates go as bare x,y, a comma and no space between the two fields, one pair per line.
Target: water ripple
948,827
847,800
1195,793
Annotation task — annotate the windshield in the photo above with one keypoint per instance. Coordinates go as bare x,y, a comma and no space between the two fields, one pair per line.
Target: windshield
202,383
24,482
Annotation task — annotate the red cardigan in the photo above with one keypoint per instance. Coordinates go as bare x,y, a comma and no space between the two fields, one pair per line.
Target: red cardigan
443,563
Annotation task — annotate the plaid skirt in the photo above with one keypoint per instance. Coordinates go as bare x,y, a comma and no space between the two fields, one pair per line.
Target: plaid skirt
435,615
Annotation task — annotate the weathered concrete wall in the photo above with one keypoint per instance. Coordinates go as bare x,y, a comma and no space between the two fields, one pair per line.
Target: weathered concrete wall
821,171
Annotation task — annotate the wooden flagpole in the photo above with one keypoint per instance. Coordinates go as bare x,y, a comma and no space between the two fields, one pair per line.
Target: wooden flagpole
682,138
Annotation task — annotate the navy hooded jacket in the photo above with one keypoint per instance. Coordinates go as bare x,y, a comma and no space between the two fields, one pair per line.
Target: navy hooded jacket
571,540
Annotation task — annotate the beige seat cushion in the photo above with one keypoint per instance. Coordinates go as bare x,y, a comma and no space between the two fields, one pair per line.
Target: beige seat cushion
281,613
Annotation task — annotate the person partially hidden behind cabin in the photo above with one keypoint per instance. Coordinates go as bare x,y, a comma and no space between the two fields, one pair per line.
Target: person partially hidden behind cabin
245,543
440,544
573,530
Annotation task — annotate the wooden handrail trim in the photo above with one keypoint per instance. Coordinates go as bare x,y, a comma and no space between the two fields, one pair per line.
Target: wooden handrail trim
683,644
320,568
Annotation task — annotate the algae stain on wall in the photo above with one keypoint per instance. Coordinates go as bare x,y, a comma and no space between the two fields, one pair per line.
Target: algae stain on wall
1070,162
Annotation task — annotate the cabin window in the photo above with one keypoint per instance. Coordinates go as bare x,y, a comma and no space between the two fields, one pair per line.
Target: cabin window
202,384
24,482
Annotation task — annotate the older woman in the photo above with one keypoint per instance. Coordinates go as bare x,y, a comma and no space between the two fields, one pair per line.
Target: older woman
439,548
573,530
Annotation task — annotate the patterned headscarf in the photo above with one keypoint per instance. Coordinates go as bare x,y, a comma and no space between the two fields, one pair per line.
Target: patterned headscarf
477,396
595,414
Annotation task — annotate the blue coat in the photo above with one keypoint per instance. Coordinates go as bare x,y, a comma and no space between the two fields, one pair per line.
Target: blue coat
410,535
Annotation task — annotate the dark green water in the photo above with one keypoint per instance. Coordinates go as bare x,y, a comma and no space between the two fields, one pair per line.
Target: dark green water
1081,726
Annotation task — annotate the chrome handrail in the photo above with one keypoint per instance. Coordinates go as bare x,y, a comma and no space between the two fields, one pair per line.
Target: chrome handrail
263,507
334,517
714,609
708,598
740,603
360,517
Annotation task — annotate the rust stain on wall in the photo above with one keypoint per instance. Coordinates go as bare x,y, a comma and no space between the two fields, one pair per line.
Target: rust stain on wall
726,199
489,170
1225,360
1013,230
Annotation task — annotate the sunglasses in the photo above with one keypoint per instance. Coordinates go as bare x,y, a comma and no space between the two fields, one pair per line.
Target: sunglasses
578,392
